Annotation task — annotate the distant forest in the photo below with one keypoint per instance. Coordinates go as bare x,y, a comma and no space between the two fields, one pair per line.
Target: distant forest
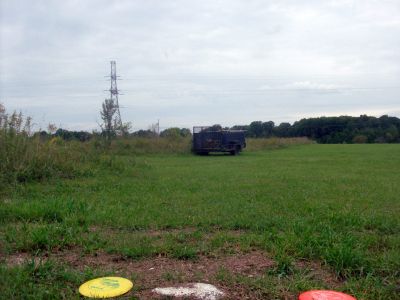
332,130
325,130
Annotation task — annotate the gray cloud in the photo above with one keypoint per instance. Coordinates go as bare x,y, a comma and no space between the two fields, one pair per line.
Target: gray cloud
200,62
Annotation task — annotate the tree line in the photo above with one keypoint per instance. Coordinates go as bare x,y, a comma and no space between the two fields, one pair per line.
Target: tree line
331,130
83,136
326,130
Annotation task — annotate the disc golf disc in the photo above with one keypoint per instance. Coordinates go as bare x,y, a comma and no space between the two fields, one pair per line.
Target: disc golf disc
325,295
105,287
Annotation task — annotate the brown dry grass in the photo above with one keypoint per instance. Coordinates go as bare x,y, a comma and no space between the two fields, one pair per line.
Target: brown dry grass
259,144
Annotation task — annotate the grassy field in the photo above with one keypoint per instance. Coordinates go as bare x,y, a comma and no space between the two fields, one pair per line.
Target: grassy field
261,225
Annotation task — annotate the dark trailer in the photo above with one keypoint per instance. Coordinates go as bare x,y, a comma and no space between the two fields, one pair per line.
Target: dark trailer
210,139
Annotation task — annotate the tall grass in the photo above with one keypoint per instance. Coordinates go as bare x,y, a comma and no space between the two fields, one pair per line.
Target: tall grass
26,157
257,144
160,145
182,145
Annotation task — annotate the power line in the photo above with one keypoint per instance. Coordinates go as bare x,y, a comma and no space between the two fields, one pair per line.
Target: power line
114,90
206,90
174,77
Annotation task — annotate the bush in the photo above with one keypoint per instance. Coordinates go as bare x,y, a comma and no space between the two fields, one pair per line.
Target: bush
26,157
360,139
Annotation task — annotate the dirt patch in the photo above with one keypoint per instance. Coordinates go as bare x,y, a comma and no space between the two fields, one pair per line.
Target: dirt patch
162,271
18,259
166,272
319,272
162,232
148,232
253,263
21,258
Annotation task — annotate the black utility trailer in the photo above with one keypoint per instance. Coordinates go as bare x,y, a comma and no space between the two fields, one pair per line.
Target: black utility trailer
211,139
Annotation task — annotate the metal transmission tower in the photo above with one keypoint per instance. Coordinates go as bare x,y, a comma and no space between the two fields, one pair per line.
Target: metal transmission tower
114,92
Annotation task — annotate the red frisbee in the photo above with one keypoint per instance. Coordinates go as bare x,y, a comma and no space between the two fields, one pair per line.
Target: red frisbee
325,295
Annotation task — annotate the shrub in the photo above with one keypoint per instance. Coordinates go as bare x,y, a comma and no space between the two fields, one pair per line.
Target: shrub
26,157
360,139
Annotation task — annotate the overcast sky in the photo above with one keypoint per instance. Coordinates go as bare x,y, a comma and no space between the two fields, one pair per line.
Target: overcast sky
200,62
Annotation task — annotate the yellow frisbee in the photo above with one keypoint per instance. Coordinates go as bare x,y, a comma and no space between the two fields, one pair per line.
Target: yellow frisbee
105,287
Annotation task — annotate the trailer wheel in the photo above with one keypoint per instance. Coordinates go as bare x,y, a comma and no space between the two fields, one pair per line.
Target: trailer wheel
236,151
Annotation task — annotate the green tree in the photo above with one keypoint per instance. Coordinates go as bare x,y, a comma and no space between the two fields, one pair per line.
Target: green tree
107,113
283,130
185,132
268,128
256,129
173,132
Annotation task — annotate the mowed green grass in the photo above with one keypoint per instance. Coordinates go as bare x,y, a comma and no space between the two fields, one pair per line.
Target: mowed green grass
334,204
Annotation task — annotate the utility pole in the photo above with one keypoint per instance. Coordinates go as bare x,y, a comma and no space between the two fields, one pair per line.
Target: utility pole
114,92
